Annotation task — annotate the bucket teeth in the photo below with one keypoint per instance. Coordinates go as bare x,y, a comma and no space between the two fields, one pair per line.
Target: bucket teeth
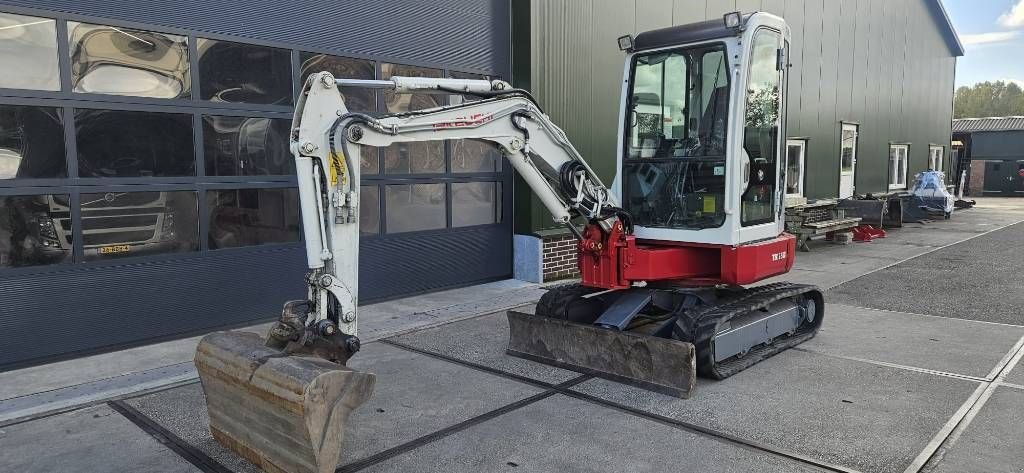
282,413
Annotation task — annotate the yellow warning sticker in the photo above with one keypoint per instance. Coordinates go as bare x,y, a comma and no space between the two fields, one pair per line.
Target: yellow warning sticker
337,168
709,204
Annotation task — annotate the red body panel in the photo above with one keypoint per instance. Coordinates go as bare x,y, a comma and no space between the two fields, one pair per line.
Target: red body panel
615,260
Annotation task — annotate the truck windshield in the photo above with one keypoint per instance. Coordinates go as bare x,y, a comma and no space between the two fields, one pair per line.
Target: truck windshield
675,149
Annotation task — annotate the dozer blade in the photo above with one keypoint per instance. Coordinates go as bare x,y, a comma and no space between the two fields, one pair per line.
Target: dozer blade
285,414
658,364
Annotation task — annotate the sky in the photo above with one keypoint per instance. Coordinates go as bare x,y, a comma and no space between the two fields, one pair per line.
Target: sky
992,32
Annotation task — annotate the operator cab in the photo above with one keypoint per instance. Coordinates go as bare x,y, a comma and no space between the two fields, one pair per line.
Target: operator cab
701,135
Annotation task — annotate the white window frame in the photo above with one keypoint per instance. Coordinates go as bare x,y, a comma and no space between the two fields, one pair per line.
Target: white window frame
802,165
905,148
936,154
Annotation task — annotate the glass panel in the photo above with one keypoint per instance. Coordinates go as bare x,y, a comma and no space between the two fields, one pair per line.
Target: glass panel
248,217
848,144
125,61
412,207
794,169
239,146
356,99
35,230
414,158
369,160
118,224
893,158
28,52
475,156
476,203
677,113
243,73
369,210
666,121
31,143
114,143
656,202
760,140
901,167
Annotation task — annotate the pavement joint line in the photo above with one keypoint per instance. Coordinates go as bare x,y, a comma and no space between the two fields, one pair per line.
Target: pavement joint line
470,364
108,378
563,389
944,374
709,432
176,444
456,428
932,316
1012,385
95,402
932,250
1007,359
955,427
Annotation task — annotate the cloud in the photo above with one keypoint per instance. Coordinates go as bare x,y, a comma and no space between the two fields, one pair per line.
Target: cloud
1015,17
994,37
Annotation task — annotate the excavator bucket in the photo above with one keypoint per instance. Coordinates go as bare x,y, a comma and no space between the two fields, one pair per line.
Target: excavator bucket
657,364
284,414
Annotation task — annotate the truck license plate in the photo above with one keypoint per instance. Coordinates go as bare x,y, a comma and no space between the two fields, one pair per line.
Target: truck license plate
109,250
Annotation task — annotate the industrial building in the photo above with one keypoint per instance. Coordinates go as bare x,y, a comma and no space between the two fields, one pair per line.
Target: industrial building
146,186
146,189
991,153
870,94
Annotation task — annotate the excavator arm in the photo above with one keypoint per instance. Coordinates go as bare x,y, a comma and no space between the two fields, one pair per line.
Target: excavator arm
327,143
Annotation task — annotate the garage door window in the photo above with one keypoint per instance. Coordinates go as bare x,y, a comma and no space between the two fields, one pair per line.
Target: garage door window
35,230
232,72
28,52
476,203
249,217
369,210
30,142
120,224
118,143
125,61
242,146
415,207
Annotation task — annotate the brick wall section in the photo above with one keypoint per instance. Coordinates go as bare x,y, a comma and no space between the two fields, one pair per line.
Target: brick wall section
976,179
559,257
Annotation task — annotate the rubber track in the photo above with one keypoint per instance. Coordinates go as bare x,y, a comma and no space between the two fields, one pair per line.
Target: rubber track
708,318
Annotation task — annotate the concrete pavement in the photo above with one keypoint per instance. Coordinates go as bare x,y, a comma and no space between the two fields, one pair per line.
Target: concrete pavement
881,388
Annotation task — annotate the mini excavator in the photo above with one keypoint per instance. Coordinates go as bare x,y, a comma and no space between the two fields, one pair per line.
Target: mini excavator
668,255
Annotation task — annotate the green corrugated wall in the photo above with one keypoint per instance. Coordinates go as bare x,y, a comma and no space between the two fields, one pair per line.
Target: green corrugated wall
882,64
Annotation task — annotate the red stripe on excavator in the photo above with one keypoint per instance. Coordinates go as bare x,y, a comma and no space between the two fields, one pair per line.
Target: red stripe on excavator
614,261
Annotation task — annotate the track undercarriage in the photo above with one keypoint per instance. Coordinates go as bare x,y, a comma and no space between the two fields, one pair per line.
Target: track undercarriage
660,337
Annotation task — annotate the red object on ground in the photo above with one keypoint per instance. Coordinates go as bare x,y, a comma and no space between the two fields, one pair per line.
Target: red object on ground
867,233
616,260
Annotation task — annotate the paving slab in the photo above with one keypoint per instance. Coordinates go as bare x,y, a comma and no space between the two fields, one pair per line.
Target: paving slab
862,416
95,439
415,396
1016,375
937,343
975,279
992,443
564,434
482,340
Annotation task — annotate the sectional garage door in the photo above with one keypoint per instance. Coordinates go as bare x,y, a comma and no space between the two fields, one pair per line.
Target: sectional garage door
146,190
